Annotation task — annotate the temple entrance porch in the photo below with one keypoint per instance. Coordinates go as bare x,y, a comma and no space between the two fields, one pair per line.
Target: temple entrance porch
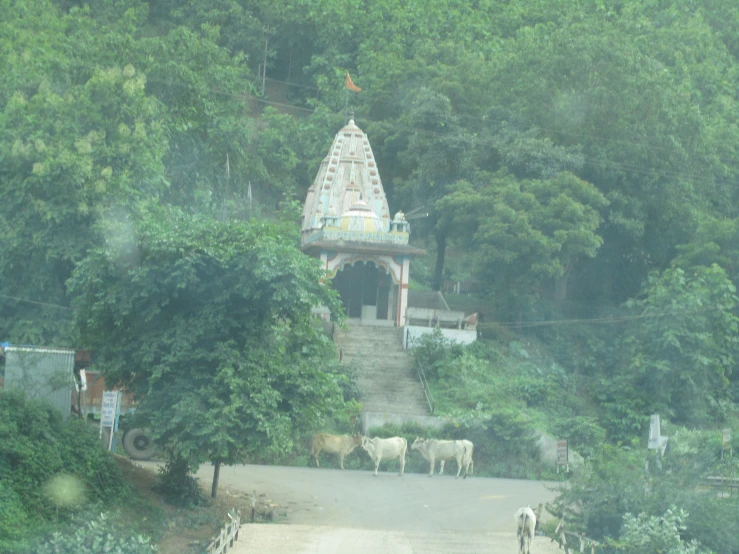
368,293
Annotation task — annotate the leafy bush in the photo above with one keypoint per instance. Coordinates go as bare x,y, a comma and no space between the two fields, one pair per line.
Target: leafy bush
434,352
713,522
692,450
13,519
177,486
611,484
614,483
582,433
92,537
644,534
36,445
51,470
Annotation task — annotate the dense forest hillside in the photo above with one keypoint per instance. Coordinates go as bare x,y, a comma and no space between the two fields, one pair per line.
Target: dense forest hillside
578,160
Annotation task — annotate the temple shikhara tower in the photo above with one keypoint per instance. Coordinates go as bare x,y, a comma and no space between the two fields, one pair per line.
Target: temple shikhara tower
347,224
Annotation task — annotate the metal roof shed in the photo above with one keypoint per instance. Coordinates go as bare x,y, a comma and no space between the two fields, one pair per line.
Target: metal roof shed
42,373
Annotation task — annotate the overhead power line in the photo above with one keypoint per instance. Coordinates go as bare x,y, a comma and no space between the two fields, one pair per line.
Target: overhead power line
46,304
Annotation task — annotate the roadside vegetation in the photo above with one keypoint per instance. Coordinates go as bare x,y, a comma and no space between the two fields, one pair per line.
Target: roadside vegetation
60,491
507,386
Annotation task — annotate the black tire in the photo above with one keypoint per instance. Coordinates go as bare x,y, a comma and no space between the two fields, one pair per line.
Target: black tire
139,445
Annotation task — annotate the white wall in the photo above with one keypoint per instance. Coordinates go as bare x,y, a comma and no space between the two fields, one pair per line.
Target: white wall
371,420
462,336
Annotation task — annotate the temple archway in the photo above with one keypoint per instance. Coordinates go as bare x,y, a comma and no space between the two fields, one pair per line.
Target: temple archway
367,292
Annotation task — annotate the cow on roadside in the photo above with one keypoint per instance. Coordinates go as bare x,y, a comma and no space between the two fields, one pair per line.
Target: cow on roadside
467,462
433,449
343,445
525,529
386,449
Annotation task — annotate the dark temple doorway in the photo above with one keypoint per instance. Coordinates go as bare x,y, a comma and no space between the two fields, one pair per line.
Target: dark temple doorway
365,290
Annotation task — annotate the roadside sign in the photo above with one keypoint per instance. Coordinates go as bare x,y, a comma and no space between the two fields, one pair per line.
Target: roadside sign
654,433
562,455
109,408
109,412
562,452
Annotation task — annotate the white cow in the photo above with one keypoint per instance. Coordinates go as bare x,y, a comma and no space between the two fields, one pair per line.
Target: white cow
386,449
467,462
525,529
433,449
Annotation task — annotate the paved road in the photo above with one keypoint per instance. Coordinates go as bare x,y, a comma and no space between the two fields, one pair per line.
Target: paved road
332,511
316,539
357,499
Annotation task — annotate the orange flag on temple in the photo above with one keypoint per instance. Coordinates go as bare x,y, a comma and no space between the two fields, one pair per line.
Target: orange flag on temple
350,85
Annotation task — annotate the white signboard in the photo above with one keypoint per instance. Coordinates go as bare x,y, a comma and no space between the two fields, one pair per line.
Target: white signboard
109,408
654,433
562,453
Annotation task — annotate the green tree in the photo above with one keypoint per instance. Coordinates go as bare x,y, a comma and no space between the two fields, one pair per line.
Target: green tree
525,232
680,352
205,91
68,156
438,153
716,241
209,324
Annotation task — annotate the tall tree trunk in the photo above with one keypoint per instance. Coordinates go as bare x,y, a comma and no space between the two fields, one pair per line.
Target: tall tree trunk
560,283
440,254
216,475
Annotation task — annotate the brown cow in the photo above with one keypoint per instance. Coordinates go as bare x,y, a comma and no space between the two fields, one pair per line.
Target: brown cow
334,444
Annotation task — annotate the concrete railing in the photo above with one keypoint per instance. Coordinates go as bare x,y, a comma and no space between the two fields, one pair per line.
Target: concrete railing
579,539
722,483
425,386
225,539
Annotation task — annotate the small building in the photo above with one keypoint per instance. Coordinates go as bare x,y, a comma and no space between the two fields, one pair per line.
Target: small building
347,225
41,373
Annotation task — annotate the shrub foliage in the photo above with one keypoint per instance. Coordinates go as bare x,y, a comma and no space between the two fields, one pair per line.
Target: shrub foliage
37,446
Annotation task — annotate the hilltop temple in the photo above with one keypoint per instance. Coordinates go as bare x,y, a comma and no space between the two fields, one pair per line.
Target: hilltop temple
347,224
365,252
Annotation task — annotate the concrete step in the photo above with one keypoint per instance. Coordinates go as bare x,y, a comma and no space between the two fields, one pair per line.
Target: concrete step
385,375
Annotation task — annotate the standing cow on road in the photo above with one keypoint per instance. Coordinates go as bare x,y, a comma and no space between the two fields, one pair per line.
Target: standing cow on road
433,449
467,463
343,445
386,449
525,529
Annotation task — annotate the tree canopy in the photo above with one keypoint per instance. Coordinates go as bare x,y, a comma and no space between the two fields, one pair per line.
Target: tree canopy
211,320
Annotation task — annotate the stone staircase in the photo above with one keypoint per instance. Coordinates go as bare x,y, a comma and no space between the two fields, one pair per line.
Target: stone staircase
385,377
